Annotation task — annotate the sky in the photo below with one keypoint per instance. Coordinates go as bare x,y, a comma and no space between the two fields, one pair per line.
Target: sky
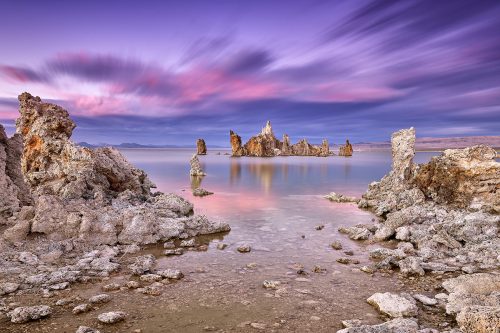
168,72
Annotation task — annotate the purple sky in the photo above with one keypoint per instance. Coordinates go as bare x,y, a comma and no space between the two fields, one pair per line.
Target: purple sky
168,72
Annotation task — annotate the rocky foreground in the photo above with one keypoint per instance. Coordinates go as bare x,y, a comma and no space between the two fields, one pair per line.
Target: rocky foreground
444,217
265,144
68,213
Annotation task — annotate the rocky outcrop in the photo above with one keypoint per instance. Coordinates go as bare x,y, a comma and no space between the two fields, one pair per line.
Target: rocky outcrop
346,150
265,144
53,165
196,169
462,177
94,196
201,147
445,216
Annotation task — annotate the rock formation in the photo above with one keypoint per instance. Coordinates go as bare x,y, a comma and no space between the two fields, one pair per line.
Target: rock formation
265,144
325,149
236,147
196,169
92,195
201,147
346,150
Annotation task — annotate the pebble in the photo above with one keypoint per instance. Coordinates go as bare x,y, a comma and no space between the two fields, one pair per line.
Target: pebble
336,245
244,248
258,326
132,284
150,278
270,284
169,245
319,227
86,329
221,246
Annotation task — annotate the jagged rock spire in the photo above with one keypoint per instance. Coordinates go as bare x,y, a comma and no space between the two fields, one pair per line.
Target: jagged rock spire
267,130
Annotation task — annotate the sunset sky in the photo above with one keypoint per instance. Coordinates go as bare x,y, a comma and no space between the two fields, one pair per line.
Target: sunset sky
168,72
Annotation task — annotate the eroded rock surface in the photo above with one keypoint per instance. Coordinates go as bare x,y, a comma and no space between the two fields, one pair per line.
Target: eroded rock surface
196,169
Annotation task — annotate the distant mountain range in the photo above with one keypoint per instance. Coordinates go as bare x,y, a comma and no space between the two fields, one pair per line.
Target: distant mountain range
421,144
138,145
433,143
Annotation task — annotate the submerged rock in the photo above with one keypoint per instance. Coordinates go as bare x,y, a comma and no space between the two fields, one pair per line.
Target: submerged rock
201,192
335,197
201,147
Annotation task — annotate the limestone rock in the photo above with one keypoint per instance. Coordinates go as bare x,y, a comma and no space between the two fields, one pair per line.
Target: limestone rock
398,325
346,150
24,314
236,145
462,177
394,305
479,319
286,149
196,169
201,147
85,329
325,149
53,165
112,317
336,197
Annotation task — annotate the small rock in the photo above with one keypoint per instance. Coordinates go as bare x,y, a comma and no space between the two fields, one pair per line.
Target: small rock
132,284
28,258
351,323
258,326
188,243
150,278
336,245
23,314
173,274
318,269
270,284
142,264
201,192
367,269
393,305
8,287
111,317
319,227
111,287
244,248
349,253
81,308
150,290
99,299
85,329
344,261
425,300
315,318
221,246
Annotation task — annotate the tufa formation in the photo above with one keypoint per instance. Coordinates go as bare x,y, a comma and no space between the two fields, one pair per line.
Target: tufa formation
265,144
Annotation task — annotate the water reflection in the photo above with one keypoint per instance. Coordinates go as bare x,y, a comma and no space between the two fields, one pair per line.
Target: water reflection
196,182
